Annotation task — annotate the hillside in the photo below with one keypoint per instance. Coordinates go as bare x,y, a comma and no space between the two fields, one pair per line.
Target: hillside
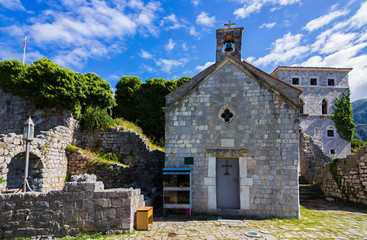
360,118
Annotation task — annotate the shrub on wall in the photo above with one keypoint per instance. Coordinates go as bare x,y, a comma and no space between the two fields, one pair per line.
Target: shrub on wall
45,85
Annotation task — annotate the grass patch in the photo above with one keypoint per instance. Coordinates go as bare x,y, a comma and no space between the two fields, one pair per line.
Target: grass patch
102,157
73,149
122,123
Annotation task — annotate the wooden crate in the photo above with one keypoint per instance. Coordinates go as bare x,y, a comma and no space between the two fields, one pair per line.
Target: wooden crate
144,218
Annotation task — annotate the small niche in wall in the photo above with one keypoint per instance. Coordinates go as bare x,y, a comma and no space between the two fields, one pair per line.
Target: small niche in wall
189,160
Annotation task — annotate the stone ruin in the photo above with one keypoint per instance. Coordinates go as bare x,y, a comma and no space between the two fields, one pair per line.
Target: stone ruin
71,207
82,206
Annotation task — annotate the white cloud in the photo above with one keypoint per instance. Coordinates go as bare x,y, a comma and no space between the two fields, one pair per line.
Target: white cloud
193,32
170,45
147,68
167,64
172,20
88,28
184,47
145,54
323,20
284,49
204,20
206,65
195,2
252,6
360,18
267,25
337,41
12,4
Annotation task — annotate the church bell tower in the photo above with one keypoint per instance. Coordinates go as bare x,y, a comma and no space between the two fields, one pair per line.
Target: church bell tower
229,41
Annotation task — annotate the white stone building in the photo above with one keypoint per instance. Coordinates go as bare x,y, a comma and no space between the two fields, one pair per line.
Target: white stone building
321,87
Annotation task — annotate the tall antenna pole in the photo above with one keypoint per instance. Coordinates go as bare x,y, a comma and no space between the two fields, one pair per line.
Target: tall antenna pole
24,45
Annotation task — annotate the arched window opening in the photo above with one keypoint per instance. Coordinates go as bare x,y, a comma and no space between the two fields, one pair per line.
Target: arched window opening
229,43
324,107
302,109
16,172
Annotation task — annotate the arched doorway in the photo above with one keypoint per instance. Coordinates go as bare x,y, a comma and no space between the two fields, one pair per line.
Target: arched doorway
16,172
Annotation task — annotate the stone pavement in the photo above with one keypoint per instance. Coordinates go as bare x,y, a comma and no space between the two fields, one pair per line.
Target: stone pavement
320,220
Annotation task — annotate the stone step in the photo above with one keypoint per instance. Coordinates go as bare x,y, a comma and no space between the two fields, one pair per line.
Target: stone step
310,192
302,180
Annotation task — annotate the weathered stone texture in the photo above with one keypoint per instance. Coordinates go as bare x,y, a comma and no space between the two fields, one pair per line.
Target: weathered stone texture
49,147
122,141
312,158
14,111
264,126
145,174
313,122
84,206
348,180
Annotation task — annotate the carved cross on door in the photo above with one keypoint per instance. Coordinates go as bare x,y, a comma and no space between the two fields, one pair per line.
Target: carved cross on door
227,166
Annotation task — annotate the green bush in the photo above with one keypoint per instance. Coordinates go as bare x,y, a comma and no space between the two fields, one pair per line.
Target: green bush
96,118
356,145
46,85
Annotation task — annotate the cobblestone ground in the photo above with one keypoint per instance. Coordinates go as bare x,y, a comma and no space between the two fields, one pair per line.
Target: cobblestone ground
320,220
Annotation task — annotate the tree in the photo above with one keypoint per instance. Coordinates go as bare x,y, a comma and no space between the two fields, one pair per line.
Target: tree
126,93
343,117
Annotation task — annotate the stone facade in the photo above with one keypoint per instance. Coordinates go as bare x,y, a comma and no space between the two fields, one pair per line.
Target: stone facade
345,178
49,150
83,207
262,133
314,122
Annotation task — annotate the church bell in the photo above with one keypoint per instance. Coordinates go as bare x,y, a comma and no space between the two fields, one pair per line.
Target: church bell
228,47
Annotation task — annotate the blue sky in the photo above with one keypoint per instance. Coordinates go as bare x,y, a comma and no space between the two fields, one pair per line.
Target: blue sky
171,39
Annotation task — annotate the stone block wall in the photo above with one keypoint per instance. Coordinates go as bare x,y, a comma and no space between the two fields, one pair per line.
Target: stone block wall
345,178
14,111
128,143
264,127
146,175
84,206
313,122
312,158
48,147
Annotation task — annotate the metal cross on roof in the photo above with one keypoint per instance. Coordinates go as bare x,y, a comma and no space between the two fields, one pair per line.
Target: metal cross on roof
230,24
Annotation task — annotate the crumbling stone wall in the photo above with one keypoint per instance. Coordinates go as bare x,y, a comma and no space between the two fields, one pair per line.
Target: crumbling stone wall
14,111
345,178
128,143
83,206
312,158
146,174
49,147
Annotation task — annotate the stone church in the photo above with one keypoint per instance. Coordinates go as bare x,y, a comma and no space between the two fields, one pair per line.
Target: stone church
239,127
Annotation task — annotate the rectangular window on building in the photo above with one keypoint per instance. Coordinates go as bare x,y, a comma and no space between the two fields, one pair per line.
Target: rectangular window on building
330,82
313,81
295,81
330,133
332,151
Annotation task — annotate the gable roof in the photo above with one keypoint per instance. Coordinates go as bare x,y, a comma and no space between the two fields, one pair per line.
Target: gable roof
289,93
